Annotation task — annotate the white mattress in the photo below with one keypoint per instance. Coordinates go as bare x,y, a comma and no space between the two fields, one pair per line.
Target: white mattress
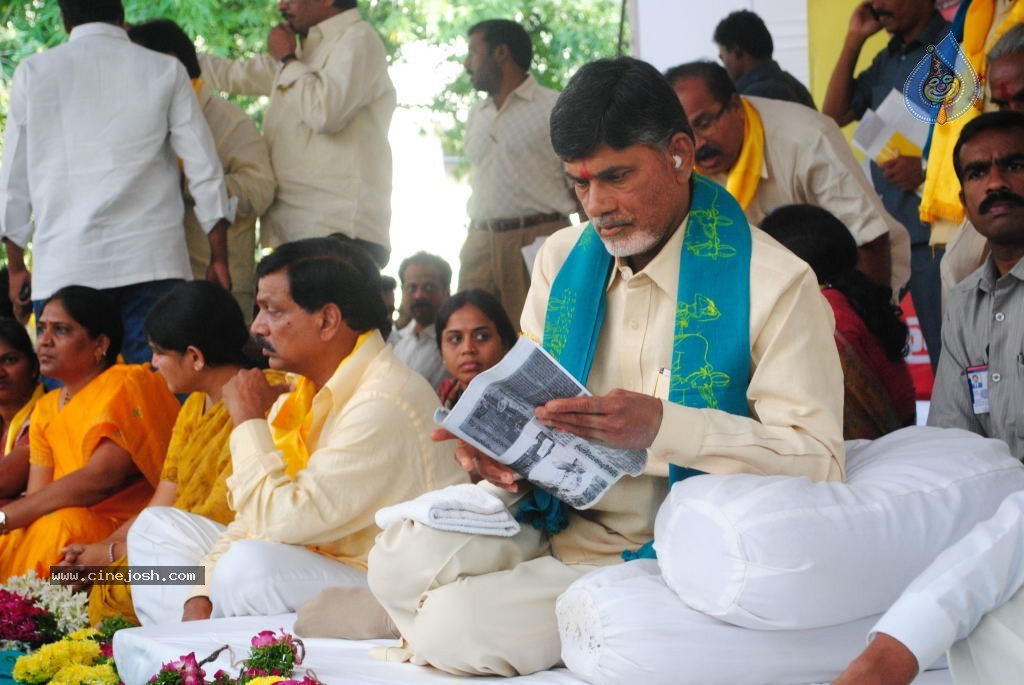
140,652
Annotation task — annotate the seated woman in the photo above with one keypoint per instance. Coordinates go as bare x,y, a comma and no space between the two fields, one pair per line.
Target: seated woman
199,339
474,333
870,333
19,391
96,445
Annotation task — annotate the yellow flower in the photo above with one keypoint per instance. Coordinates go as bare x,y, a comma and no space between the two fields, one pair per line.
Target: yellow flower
43,664
266,680
83,634
77,674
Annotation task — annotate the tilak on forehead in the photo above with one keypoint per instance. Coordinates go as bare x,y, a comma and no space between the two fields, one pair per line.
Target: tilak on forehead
585,172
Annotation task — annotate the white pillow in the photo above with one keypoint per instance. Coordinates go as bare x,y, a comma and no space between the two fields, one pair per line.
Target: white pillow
622,624
788,553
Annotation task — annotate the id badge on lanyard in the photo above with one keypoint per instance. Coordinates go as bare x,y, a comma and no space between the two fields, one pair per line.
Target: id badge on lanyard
977,381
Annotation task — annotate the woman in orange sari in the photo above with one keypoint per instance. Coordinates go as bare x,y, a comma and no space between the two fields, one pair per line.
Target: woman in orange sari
19,391
96,445
199,340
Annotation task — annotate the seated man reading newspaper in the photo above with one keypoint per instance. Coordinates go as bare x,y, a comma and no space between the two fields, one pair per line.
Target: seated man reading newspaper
703,342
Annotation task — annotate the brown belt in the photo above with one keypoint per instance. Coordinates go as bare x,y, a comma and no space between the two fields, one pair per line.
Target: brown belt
499,225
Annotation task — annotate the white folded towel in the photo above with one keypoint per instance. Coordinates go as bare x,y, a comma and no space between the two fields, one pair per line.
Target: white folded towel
463,508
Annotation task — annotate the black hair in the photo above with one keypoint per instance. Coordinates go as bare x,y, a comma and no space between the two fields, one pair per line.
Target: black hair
714,76
387,283
510,34
328,270
77,12
745,30
615,102
990,121
15,335
163,35
444,270
816,236
203,315
344,4
486,303
96,311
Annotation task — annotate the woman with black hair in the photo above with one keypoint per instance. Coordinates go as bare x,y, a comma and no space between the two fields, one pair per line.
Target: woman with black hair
19,390
870,332
96,444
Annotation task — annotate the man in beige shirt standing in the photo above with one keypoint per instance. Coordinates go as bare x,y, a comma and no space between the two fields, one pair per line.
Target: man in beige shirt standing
473,604
243,154
349,436
331,102
519,192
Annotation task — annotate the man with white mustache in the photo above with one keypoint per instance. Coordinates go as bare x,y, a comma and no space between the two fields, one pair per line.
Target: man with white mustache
703,341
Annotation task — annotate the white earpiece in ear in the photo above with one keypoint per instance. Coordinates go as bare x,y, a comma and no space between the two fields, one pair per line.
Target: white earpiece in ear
677,160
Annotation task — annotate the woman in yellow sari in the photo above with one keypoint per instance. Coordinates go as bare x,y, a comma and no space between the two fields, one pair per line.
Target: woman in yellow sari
198,338
19,391
96,445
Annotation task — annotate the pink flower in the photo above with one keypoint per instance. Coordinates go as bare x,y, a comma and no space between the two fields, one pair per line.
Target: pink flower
265,638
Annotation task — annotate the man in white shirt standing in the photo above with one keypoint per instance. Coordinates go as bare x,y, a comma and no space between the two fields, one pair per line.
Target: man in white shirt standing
331,102
426,284
519,190
95,132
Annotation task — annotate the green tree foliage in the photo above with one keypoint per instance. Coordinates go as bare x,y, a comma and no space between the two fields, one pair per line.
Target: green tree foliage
566,34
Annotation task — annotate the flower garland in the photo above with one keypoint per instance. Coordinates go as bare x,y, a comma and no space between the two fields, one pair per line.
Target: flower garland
272,659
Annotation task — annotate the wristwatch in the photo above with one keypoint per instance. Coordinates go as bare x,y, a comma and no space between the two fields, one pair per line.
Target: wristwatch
287,58
3,522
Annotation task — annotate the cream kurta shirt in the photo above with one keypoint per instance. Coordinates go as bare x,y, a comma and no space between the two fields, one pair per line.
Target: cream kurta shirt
248,177
327,130
515,171
795,390
369,447
808,161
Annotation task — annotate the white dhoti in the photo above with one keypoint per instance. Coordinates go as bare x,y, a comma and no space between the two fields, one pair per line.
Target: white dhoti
253,578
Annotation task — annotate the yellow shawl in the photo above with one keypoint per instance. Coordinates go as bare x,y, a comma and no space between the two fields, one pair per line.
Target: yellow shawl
941,194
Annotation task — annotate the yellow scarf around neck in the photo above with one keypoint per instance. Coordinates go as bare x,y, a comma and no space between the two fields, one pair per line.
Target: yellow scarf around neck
940,199
294,419
745,174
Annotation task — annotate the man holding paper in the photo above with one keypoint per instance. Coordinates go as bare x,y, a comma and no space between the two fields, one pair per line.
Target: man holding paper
703,342
914,25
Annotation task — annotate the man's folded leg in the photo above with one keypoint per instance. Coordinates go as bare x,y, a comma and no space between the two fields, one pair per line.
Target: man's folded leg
261,578
993,654
472,604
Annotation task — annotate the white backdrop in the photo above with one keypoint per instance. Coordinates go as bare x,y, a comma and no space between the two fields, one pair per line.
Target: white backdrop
669,32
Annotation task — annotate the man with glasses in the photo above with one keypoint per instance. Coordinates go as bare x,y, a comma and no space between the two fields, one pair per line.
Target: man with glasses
769,153
331,102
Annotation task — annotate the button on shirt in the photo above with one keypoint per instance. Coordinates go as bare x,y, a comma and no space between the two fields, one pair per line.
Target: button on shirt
984,324
515,171
88,170
795,390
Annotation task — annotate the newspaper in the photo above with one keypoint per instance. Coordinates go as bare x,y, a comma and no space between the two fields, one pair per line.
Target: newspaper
890,131
495,415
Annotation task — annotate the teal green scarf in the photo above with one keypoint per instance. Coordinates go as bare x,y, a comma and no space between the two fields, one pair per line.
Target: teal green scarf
711,345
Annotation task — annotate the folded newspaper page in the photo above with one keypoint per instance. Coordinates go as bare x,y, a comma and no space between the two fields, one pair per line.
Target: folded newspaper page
495,415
